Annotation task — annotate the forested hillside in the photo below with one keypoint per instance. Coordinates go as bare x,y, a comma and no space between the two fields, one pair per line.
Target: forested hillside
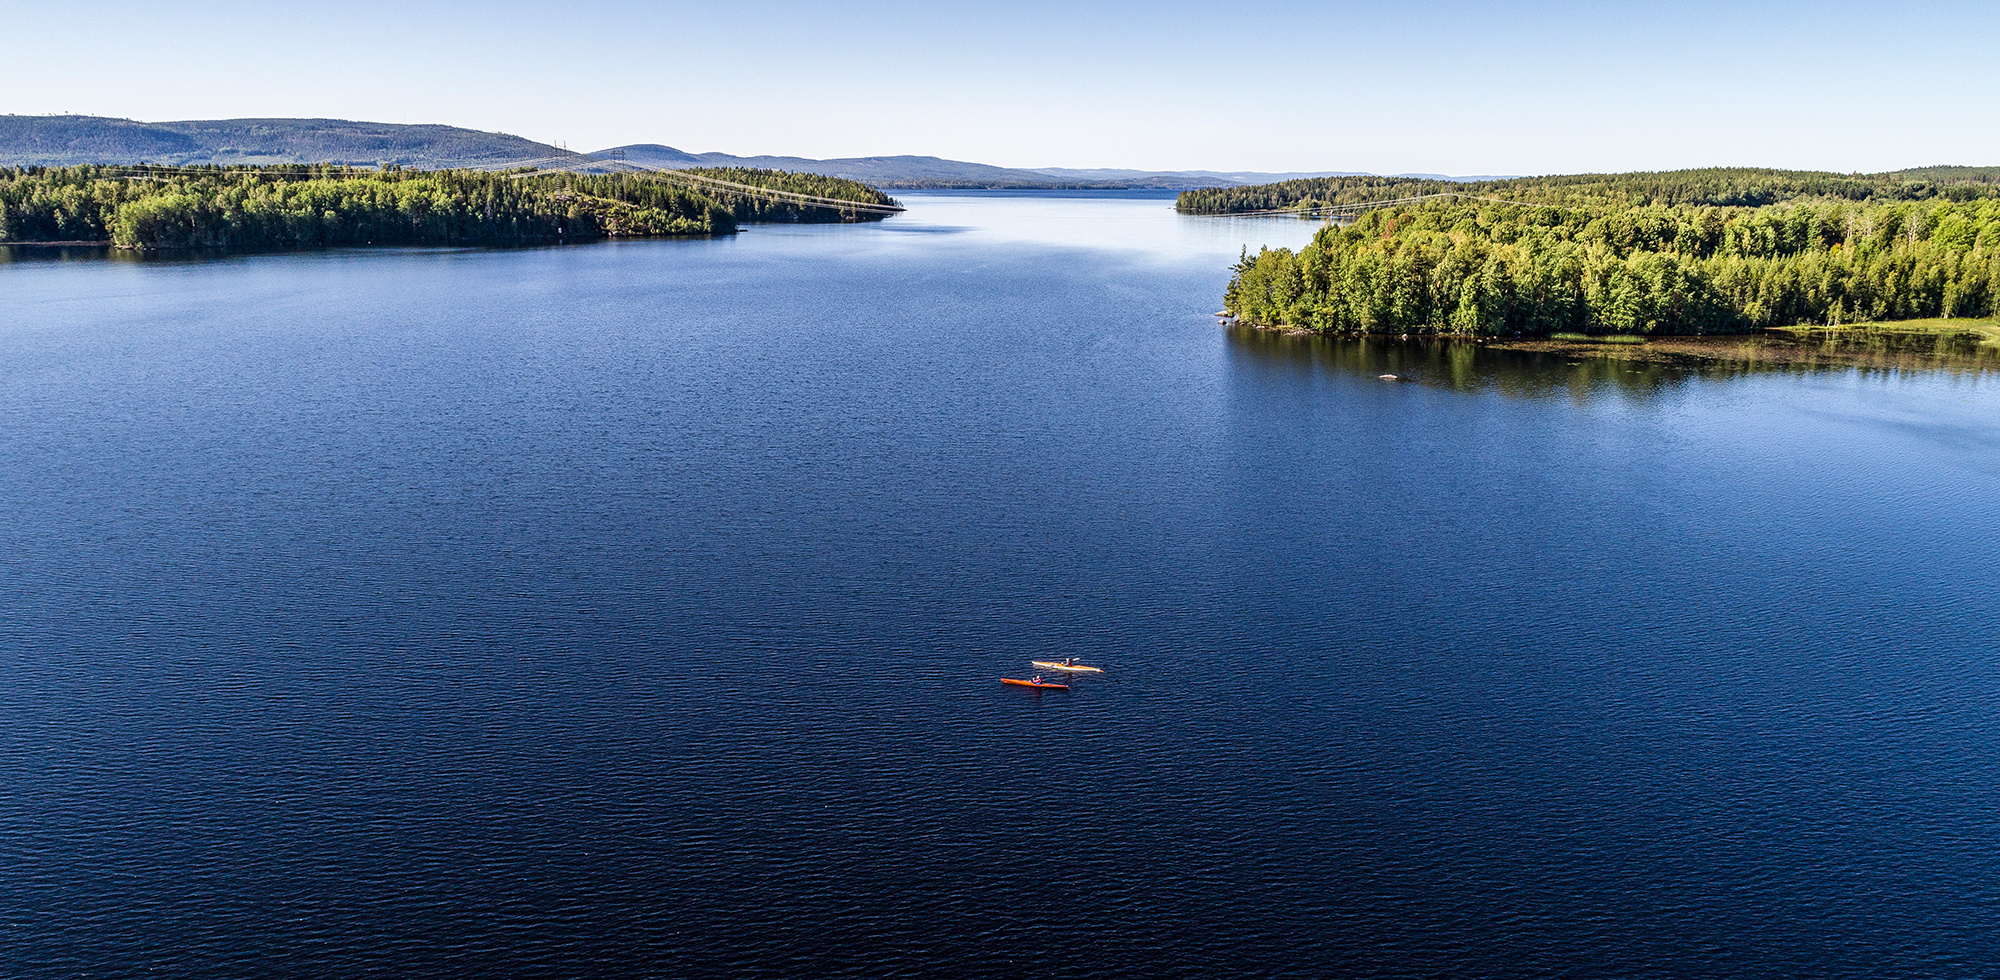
68,140
71,140
264,207
1712,251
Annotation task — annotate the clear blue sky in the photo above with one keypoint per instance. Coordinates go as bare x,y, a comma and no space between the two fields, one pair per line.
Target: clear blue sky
1469,87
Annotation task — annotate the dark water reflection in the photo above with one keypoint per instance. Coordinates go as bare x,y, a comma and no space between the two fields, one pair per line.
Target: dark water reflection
34,255
30,254
1544,368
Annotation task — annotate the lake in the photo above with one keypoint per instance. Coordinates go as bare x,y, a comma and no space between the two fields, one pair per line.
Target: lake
637,609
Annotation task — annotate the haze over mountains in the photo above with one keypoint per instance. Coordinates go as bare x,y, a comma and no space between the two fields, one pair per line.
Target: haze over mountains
70,140
921,171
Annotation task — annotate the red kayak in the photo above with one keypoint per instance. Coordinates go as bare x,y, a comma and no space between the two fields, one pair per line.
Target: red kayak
1037,683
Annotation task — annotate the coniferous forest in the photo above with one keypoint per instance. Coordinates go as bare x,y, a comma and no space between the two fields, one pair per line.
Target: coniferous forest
284,206
1689,252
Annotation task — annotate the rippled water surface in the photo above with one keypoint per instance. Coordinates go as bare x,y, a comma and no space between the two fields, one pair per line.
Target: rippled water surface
637,609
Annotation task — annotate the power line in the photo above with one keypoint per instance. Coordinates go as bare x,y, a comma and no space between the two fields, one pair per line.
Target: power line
1362,207
587,163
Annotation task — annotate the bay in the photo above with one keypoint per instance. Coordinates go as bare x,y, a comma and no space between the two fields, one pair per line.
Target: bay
637,609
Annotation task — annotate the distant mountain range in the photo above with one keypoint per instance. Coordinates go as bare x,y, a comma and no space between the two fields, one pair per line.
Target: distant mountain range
911,171
70,140
1214,178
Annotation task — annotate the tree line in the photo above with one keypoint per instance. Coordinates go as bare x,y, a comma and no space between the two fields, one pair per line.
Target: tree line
1473,267
1715,186
280,206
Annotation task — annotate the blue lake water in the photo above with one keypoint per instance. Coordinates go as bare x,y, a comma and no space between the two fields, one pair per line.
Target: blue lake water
637,610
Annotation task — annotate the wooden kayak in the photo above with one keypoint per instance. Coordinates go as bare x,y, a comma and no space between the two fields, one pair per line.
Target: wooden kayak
1050,685
1072,668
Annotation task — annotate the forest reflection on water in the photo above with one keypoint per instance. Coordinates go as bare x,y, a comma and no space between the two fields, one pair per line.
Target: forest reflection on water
1542,368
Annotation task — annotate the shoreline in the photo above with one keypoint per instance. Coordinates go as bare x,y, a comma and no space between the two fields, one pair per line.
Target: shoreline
1938,342
526,242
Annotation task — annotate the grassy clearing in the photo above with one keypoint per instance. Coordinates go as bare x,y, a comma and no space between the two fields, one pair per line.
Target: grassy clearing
1601,338
1988,328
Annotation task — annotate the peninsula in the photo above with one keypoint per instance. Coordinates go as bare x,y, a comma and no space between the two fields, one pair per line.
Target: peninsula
1681,252
145,207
